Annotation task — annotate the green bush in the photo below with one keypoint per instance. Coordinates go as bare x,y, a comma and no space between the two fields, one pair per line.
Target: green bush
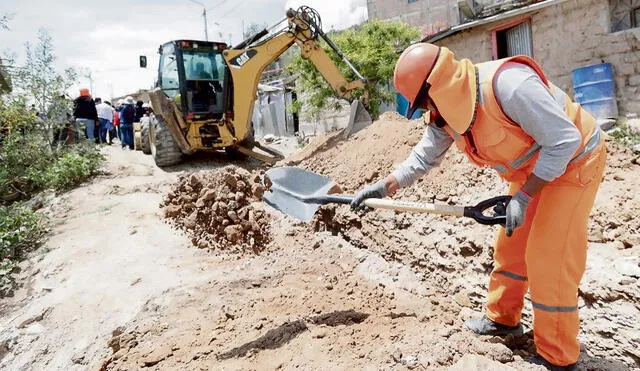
21,231
626,136
73,167
29,165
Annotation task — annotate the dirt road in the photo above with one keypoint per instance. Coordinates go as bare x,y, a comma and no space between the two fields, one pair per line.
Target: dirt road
119,289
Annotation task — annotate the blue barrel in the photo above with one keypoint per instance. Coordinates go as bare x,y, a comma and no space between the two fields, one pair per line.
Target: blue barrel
595,90
402,105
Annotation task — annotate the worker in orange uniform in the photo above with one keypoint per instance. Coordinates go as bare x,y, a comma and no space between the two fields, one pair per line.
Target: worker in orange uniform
507,115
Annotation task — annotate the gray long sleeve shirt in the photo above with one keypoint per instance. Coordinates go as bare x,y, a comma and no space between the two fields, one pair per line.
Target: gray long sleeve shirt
527,101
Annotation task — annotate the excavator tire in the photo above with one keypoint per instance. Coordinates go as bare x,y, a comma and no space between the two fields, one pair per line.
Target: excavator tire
164,149
145,143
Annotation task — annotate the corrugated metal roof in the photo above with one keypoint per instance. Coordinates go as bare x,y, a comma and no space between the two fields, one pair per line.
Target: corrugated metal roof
495,18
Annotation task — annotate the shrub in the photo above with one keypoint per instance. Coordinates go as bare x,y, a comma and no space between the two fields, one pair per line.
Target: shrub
74,166
21,231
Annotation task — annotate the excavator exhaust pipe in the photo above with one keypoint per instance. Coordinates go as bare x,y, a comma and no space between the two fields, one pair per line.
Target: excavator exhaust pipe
359,119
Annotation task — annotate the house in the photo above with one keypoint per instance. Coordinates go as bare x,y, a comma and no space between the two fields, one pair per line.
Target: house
562,35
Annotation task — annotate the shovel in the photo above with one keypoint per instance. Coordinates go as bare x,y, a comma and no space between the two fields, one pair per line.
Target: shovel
299,193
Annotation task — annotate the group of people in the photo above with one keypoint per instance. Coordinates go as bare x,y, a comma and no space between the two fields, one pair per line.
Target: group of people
102,122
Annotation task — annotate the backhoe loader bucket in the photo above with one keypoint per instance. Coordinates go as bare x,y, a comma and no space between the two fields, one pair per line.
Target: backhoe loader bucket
358,119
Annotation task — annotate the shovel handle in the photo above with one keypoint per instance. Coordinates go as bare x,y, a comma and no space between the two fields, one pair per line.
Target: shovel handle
498,204
418,207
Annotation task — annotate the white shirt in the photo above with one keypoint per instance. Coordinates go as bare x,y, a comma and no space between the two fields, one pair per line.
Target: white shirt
105,111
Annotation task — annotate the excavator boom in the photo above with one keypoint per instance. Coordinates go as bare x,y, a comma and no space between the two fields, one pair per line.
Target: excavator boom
248,60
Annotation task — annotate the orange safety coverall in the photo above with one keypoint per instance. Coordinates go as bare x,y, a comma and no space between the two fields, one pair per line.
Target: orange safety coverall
547,254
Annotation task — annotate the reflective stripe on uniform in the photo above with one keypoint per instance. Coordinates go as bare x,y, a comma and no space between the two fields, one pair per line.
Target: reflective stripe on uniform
515,164
514,276
558,309
592,144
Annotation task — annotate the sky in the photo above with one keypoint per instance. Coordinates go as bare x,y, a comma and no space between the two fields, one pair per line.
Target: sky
106,39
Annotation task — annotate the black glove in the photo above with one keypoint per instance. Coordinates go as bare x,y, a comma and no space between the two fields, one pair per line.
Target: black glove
516,211
377,190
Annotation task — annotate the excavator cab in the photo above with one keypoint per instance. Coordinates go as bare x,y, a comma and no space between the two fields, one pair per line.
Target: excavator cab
192,73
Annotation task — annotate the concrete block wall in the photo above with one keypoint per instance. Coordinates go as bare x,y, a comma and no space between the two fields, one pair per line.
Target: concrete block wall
573,34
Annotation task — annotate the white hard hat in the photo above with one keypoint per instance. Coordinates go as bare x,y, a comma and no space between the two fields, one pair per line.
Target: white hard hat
129,100
145,105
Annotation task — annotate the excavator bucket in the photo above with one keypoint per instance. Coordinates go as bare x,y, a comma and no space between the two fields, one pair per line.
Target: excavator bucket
358,119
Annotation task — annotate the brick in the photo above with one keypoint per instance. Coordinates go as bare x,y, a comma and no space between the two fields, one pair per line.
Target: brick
634,80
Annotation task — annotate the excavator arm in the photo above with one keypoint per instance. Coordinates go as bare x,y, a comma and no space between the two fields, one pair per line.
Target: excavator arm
248,60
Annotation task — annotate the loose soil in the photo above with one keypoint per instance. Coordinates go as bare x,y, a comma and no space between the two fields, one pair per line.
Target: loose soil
214,207
380,290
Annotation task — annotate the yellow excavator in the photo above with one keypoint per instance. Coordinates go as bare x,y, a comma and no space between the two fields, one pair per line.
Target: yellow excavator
205,93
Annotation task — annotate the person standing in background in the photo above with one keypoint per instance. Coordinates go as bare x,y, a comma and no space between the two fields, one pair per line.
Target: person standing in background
85,114
127,117
105,115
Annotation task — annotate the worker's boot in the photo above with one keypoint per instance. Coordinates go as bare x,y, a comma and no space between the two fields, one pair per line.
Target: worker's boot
539,360
485,326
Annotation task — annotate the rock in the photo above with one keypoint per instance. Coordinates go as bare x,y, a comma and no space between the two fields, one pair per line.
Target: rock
209,195
36,203
191,221
630,240
634,125
242,185
231,180
636,149
618,177
269,138
156,356
194,180
319,333
171,211
476,362
200,203
258,190
233,233
233,216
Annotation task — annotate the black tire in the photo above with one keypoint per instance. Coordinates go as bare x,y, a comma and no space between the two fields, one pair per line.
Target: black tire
164,149
145,143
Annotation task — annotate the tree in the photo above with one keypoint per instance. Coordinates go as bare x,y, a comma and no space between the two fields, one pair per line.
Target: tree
40,82
373,47
39,78
4,21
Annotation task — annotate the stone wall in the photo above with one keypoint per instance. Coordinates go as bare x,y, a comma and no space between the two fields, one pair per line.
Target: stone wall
567,36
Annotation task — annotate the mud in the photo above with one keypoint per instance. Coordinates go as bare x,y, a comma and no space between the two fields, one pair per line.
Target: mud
215,208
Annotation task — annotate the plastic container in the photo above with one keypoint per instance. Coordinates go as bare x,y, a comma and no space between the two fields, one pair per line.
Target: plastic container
595,90
402,105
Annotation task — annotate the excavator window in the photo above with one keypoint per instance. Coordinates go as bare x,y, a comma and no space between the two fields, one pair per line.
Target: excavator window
204,72
169,78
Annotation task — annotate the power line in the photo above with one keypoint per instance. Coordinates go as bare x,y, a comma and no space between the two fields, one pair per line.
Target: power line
232,9
217,5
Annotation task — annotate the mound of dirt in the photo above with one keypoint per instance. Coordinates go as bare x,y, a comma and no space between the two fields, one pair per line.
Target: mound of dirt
214,207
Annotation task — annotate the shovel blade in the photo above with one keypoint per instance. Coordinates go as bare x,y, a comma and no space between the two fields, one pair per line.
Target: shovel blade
292,190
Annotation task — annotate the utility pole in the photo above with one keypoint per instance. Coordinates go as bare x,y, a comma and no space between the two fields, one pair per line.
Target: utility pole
204,15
